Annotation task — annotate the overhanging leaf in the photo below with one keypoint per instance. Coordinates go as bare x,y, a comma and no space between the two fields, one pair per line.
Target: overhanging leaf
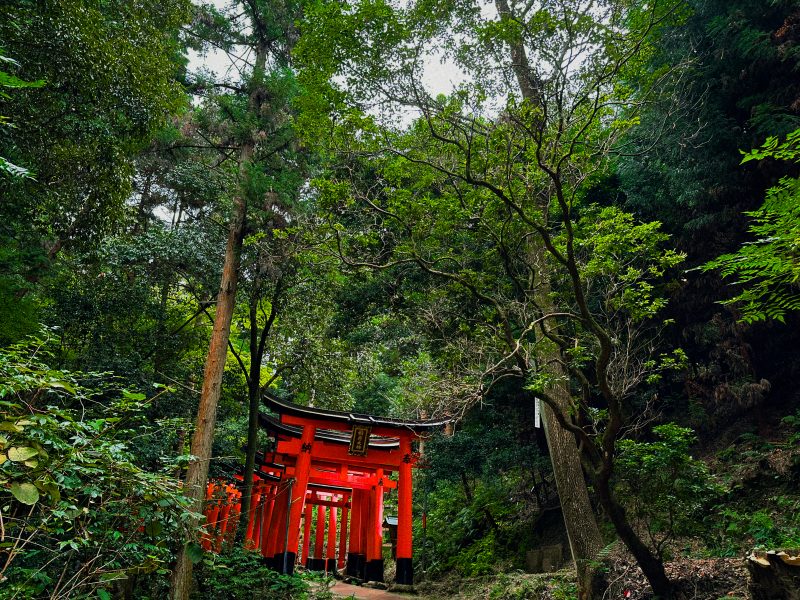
194,551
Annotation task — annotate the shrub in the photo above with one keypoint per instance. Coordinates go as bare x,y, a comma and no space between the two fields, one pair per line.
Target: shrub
242,575
665,490
80,515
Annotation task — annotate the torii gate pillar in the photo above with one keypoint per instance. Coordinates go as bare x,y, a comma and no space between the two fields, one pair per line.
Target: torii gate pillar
288,558
373,570
405,565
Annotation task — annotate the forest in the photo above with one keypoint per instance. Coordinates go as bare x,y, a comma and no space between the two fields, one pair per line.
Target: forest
568,229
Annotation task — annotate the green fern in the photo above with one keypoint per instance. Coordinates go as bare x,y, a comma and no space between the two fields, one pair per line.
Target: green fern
768,268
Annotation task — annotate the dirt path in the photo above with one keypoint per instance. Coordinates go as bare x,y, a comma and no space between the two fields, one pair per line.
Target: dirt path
345,590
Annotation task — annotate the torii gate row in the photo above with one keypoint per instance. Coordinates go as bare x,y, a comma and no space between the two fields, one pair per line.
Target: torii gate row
324,558
222,510
365,558
267,528
313,442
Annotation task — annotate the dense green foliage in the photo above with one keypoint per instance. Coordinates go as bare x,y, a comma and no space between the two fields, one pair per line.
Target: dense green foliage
570,220
668,491
242,575
75,492
766,267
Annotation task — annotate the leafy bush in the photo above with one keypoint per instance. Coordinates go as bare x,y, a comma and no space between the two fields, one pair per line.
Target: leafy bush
485,486
769,529
793,421
242,575
666,490
80,516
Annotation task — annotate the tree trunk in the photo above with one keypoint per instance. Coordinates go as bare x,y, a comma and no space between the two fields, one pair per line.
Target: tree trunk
584,536
257,346
652,566
583,533
254,406
197,474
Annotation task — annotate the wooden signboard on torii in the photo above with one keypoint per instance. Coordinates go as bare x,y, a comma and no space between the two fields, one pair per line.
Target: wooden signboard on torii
339,462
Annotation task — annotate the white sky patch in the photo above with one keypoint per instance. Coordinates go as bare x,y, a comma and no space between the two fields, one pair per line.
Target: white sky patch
441,76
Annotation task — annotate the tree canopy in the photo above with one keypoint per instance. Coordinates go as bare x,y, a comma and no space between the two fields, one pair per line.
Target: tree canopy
580,250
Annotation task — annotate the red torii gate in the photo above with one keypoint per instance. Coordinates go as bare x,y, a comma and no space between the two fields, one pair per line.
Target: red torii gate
353,453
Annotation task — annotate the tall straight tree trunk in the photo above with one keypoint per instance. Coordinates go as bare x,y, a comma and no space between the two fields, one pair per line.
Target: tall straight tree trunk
197,474
583,533
584,536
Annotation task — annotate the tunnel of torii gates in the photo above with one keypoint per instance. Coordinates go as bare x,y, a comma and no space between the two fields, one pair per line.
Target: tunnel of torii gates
339,462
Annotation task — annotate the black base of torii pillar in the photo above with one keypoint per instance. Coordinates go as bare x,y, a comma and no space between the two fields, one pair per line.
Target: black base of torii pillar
405,571
355,565
373,570
277,563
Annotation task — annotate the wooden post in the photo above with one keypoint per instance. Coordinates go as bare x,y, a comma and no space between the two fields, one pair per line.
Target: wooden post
302,470
374,567
366,521
250,537
224,516
330,555
355,548
236,514
211,525
306,534
257,518
318,562
268,502
271,538
279,532
343,537
405,566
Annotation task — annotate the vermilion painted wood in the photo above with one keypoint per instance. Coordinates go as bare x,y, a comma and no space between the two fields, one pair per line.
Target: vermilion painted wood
257,519
375,544
338,454
310,500
330,554
368,523
343,535
252,519
236,513
266,518
302,469
272,533
224,515
404,504
364,478
280,523
355,522
319,540
383,431
306,533
213,516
